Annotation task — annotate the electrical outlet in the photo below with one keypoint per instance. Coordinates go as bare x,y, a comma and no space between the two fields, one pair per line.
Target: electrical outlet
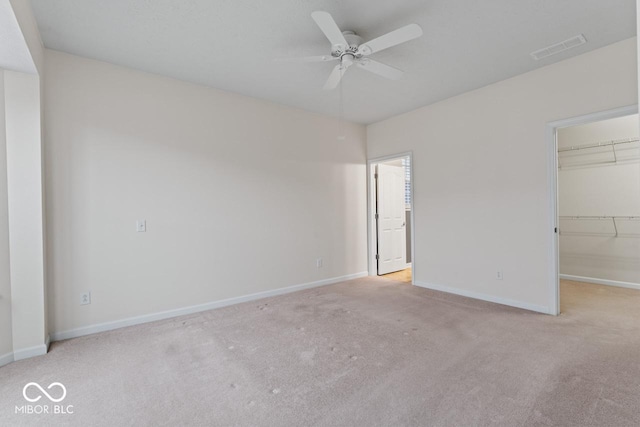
141,225
319,262
499,275
85,298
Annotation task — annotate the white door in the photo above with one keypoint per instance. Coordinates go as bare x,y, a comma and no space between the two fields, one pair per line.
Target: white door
391,218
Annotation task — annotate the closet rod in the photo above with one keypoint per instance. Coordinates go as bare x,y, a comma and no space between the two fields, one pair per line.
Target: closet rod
599,144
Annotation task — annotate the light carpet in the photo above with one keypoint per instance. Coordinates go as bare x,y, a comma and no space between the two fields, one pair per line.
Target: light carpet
367,352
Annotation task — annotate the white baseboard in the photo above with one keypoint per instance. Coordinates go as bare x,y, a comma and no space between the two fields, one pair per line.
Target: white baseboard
107,326
6,358
600,281
484,297
25,353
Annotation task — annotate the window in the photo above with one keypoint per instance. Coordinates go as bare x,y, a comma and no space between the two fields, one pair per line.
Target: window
406,162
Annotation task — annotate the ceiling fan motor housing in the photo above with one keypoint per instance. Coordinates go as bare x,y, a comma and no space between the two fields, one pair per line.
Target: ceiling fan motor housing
353,41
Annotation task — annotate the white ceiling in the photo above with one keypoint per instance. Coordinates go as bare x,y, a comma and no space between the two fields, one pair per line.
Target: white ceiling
231,44
14,53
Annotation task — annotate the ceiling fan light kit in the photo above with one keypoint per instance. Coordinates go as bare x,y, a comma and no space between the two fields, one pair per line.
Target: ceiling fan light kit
347,47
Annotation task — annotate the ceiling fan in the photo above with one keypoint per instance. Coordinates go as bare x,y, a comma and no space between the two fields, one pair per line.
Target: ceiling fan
347,47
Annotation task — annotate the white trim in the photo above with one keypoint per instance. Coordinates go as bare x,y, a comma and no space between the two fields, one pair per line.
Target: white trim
600,281
6,359
595,117
484,297
371,208
152,317
552,225
552,165
25,353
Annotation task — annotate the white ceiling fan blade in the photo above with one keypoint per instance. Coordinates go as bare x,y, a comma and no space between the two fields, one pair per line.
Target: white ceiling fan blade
401,35
335,77
329,28
381,69
320,58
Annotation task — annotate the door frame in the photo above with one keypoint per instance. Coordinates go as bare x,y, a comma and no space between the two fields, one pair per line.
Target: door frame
552,146
371,210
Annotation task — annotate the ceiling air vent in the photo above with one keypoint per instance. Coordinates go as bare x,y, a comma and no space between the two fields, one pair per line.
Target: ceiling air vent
559,47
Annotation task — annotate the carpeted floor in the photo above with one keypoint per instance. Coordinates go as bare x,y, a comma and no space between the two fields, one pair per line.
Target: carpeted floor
368,352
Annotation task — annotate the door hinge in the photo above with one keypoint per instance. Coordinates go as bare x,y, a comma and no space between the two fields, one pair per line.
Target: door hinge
555,230
376,216
377,256
375,176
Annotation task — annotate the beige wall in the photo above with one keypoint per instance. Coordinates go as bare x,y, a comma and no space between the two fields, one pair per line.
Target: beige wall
481,173
240,195
600,190
6,340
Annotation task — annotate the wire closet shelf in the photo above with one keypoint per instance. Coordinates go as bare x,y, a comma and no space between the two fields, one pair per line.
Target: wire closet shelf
601,153
605,226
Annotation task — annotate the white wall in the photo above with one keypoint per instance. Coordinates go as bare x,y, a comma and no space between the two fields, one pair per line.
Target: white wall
481,177
599,190
30,32
25,208
6,340
23,329
240,195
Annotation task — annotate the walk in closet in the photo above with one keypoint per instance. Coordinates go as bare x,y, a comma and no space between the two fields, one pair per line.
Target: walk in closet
599,202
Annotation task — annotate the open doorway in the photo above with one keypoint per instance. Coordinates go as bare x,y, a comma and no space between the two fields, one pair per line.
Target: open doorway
597,183
391,218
